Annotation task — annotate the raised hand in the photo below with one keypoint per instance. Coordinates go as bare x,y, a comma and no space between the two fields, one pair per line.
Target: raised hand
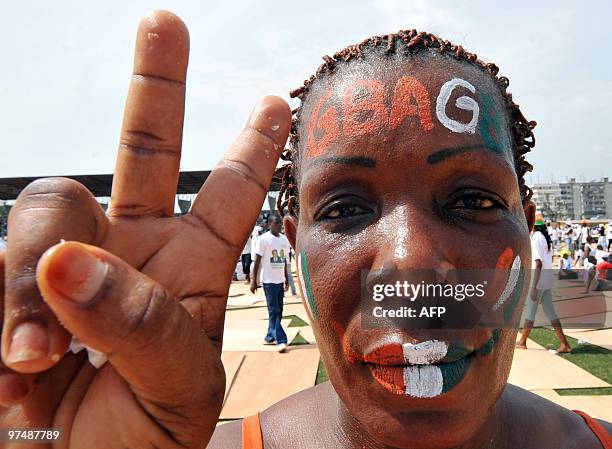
146,288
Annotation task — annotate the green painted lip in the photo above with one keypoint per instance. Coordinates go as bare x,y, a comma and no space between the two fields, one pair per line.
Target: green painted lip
453,372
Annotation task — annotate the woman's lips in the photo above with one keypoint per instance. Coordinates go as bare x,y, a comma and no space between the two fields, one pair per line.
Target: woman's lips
423,353
423,370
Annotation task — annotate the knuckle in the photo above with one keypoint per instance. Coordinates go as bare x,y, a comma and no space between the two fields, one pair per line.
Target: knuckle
65,189
50,194
146,325
243,170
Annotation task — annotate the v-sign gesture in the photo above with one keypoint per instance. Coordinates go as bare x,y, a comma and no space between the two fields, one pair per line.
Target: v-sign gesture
146,288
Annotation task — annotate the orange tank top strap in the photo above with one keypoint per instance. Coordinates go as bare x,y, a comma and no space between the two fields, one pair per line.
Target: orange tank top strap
251,433
600,432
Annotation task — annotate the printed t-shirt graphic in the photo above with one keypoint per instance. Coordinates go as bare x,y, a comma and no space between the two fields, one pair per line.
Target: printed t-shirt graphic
273,251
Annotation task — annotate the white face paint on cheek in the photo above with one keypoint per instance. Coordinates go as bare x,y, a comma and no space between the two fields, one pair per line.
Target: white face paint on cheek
465,103
510,284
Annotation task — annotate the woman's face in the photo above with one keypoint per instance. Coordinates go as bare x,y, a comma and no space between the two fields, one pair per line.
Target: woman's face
407,164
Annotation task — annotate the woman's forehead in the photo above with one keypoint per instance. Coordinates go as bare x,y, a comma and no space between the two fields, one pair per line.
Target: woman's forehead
391,97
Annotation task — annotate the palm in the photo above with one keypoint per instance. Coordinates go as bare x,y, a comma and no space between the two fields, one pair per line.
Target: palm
202,278
192,257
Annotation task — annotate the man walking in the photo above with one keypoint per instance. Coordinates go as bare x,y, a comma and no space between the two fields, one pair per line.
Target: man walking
271,253
245,258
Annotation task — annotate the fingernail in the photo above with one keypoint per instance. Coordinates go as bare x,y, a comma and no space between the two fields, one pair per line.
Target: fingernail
28,342
75,272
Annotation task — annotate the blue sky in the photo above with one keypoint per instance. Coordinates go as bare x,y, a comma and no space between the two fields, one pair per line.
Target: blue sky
66,66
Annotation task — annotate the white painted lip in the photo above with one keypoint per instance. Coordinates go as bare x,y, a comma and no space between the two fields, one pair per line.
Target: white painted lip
425,353
423,381
428,352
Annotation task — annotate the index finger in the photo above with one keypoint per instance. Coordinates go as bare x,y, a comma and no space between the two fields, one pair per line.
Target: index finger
146,172
230,200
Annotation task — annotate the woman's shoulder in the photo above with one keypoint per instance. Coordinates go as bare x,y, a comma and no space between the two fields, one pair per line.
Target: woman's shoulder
563,426
306,406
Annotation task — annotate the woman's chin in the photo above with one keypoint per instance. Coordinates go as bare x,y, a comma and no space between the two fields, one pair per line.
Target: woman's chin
422,416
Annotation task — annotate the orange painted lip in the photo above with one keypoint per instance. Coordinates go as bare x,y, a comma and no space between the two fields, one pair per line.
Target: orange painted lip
393,355
391,378
387,355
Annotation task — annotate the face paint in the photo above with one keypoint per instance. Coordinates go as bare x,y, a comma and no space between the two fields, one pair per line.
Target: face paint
364,111
465,103
505,259
363,108
410,99
491,131
327,123
515,297
432,367
305,284
425,352
502,263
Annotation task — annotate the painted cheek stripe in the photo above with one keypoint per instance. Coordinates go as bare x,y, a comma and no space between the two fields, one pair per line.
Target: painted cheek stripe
510,284
304,277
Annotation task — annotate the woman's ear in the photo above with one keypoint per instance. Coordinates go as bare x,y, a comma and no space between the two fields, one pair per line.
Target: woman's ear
529,208
291,224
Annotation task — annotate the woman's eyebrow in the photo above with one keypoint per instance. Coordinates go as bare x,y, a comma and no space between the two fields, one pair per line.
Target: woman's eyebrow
361,161
445,153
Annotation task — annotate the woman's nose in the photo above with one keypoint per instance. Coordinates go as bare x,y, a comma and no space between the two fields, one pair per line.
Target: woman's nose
410,241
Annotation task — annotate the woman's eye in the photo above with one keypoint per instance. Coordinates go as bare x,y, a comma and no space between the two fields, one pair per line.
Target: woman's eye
475,202
343,211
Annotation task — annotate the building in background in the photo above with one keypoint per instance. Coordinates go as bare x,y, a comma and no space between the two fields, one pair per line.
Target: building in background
574,200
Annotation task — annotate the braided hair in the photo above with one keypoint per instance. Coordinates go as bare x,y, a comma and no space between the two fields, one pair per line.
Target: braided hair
412,42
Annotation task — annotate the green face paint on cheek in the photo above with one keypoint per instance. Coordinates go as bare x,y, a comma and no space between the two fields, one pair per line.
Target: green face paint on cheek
304,274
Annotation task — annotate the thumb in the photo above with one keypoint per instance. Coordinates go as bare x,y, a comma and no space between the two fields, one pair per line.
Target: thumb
150,339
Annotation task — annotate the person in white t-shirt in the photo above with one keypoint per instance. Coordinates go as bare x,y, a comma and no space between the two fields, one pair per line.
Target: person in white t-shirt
271,254
579,261
245,258
541,290
601,255
555,237
257,231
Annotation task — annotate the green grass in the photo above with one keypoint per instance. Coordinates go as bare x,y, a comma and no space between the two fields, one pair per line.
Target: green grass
296,321
604,391
321,373
594,359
